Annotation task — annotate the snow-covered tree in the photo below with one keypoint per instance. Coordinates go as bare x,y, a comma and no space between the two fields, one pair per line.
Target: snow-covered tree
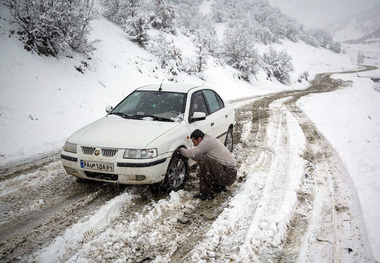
258,33
206,36
188,19
163,17
54,27
137,16
278,65
201,50
292,28
169,55
112,10
137,27
320,38
303,76
119,11
336,47
134,16
221,10
269,23
238,50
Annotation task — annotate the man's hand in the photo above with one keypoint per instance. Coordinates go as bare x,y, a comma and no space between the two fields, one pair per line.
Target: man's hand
179,149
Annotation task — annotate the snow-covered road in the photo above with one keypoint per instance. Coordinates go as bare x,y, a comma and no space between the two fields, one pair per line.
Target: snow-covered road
291,201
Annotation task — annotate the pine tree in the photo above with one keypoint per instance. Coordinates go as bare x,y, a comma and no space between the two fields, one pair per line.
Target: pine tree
137,27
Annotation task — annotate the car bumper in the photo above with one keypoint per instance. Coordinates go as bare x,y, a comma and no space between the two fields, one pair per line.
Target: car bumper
125,171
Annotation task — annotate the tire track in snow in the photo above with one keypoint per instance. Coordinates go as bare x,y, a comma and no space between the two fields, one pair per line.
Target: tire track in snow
222,241
81,232
38,206
286,240
233,232
263,241
326,211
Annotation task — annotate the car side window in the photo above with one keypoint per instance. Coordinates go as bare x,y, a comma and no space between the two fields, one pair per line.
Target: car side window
198,103
214,101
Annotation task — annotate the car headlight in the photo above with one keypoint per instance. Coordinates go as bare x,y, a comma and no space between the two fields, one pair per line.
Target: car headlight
70,147
140,153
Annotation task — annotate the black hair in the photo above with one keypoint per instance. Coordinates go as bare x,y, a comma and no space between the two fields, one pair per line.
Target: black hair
197,134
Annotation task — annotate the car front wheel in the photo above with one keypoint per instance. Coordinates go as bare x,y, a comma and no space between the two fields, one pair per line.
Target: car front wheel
176,174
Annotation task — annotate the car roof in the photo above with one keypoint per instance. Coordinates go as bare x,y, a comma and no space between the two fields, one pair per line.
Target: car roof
183,88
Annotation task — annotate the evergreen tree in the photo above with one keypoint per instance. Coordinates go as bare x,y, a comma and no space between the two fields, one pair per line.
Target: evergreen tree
201,43
137,27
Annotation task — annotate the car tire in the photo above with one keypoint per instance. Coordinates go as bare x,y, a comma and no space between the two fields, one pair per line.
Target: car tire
177,173
229,142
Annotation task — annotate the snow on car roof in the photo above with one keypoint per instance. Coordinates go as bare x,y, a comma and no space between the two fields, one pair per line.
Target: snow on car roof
183,88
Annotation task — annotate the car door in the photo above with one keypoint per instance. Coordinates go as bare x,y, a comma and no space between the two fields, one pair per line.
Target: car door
218,116
198,104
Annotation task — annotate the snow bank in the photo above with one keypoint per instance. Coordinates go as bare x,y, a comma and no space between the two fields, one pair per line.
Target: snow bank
350,120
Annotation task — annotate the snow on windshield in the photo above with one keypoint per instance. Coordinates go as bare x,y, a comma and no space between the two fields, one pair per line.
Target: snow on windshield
170,105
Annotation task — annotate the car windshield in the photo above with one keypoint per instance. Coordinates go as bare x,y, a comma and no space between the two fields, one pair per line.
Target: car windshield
152,105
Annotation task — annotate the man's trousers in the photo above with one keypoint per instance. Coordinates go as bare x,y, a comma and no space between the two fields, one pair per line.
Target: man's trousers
213,175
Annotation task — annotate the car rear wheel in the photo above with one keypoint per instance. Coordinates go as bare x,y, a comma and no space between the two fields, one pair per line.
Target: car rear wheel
229,142
176,174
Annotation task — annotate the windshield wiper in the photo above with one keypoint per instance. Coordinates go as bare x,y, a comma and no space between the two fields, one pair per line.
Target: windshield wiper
123,115
155,118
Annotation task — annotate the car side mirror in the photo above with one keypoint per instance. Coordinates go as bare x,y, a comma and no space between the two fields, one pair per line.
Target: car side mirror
109,108
198,116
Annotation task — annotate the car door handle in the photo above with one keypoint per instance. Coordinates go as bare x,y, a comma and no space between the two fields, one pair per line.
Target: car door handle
212,124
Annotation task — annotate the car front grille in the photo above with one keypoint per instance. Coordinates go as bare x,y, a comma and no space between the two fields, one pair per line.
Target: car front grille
88,150
109,152
106,152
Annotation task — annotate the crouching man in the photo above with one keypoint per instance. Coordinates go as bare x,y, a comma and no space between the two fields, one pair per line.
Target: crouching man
216,163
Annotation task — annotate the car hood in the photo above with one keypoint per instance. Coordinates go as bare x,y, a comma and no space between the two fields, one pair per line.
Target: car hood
116,132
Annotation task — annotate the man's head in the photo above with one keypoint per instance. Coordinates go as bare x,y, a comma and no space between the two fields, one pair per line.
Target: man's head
197,136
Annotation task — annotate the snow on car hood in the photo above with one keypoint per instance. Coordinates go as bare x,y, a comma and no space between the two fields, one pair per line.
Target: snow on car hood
116,132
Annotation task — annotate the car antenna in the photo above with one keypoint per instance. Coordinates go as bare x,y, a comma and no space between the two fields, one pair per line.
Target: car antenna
160,88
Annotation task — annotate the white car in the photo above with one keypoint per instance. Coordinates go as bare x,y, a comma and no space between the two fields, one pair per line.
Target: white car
136,142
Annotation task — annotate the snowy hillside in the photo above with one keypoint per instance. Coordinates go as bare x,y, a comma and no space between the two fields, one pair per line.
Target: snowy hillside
359,28
58,96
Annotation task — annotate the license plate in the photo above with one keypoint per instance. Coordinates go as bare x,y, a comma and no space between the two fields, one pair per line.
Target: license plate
105,167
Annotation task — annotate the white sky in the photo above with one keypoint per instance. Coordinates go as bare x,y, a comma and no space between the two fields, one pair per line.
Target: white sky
321,13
